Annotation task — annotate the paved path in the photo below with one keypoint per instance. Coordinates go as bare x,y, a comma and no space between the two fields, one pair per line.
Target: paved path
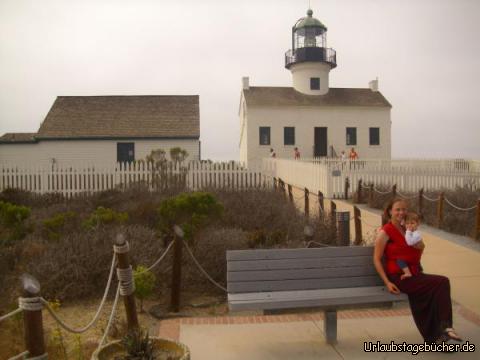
300,336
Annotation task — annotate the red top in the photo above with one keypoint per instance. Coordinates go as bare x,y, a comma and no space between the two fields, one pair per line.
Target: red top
397,248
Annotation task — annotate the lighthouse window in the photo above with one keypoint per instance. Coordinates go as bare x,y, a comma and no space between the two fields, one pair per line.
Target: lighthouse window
351,136
264,135
374,136
289,136
314,83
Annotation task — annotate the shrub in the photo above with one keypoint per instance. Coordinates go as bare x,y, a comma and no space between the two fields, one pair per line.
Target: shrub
104,216
178,154
144,283
53,226
12,218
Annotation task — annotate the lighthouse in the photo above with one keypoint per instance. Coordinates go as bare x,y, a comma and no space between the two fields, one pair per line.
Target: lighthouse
309,59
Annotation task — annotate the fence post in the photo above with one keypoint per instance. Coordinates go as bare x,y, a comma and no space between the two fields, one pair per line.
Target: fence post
122,249
394,191
420,203
477,230
32,319
274,183
440,210
290,194
333,213
343,228
358,226
370,196
347,186
307,203
359,192
176,271
282,186
320,202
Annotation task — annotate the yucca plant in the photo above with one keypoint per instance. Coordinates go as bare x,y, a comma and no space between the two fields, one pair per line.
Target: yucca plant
138,346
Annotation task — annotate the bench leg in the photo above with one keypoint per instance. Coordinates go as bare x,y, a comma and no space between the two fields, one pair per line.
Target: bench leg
330,326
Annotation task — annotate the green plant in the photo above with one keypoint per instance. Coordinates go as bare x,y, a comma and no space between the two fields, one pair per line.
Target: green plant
103,216
12,219
144,283
178,154
53,226
190,211
56,342
138,346
78,350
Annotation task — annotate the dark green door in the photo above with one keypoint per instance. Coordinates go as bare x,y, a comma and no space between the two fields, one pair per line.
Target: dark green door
320,147
125,152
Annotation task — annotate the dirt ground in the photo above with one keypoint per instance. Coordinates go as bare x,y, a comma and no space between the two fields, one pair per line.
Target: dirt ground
64,345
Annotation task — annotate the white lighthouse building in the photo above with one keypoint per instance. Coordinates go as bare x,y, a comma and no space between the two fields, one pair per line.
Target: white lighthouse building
319,120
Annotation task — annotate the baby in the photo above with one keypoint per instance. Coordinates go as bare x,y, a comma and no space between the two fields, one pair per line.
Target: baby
413,238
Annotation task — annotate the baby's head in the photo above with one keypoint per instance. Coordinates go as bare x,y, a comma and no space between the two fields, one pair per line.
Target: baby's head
412,220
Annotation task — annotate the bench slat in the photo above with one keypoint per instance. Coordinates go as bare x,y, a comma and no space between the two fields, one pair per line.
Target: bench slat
313,298
285,285
334,251
238,265
300,274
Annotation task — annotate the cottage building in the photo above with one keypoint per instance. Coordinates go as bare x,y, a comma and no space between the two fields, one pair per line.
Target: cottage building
107,129
319,120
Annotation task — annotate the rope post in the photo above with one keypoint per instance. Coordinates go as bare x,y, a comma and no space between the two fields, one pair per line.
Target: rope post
370,196
177,269
440,210
394,191
359,192
420,203
477,229
347,186
290,194
358,225
32,319
274,183
282,186
320,202
307,203
333,213
343,228
122,249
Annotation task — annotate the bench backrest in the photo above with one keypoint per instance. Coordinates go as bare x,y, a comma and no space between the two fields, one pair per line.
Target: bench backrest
300,269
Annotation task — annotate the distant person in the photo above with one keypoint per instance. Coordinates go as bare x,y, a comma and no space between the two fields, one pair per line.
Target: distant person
296,153
272,153
343,156
413,238
353,154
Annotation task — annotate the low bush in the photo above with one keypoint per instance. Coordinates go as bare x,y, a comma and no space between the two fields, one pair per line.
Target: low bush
54,226
12,219
104,216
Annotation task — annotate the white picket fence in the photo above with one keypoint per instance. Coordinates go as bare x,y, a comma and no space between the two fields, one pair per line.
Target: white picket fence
74,179
410,175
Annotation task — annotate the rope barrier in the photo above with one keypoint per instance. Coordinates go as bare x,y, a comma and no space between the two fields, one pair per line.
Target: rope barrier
459,208
433,200
4,317
125,277
314,242
366,223
20,356
201,269
97,314
110,319
381,192
159,259
30,304
40,357
406,197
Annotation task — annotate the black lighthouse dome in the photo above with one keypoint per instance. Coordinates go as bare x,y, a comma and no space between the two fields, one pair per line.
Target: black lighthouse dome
309,43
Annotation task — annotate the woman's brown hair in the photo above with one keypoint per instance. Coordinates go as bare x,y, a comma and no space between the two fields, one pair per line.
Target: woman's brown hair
386,212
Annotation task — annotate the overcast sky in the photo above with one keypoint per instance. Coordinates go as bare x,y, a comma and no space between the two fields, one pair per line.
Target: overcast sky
426,54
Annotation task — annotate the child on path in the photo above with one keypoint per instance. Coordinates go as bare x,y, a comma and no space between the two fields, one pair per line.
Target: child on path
413,238
272,153
296,153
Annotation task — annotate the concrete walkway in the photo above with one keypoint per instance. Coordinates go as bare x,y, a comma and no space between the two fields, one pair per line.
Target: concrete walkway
300,336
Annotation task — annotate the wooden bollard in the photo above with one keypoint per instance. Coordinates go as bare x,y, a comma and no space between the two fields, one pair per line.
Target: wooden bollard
32,319
359,192
477,228
347,186
177,270
440,210
290,194
122,250
420,203
321,202
307,203
394,191
358,226
275,183
333,213
370,196
282,186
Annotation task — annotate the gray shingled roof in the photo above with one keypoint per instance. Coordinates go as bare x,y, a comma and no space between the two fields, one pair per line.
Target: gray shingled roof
17,138
288,96
122,117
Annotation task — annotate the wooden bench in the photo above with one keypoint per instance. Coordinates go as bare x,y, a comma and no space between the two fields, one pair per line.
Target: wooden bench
328,278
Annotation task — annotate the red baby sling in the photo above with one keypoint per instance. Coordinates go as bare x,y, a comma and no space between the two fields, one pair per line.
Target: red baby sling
397,248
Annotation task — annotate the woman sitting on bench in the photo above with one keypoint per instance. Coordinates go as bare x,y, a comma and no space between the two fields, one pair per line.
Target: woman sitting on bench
428,295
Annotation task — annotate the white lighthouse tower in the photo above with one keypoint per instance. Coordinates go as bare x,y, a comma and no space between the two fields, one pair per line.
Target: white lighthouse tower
309,59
